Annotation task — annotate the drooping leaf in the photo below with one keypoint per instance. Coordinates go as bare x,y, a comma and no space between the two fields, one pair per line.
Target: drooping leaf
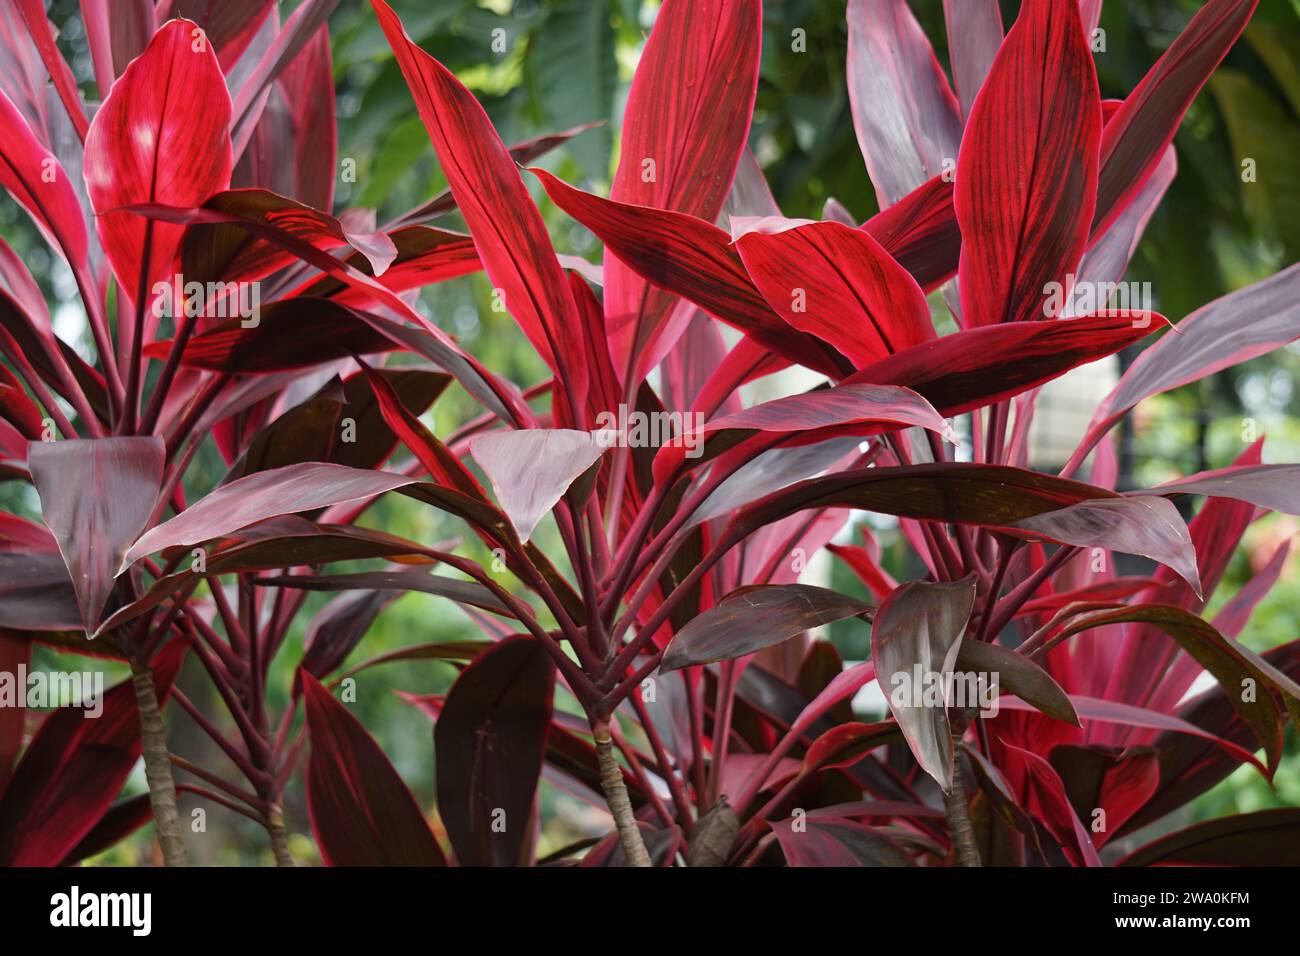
1275,487
1226,332
1019,675
980,366
1263,838
1141,524
917,633
531,469
266,494
96,497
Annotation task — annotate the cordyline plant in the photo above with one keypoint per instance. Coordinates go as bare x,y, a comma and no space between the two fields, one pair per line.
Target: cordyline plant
1037,702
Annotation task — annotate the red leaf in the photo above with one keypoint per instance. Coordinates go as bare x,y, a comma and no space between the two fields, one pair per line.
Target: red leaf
489,743
507,228
1027,173
73,769
1044,796
161,136
840,285
695,260
227,253
687,116
307,84
290,334
1118,783
14,654
980,366
97,495
40,185
361,812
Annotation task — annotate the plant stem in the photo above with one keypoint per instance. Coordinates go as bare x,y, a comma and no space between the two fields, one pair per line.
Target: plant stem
157,766
611,781
957,810
279,836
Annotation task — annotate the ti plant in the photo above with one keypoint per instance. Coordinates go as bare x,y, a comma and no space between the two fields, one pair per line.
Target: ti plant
659,662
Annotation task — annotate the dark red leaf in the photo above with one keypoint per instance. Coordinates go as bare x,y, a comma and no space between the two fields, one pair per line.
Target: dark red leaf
489,744
361,812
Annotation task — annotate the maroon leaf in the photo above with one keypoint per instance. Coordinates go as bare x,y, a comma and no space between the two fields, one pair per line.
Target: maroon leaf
96,497
361,812
1233,665
1027,173
1263,838
290,334
753,618
1019,675
953,491
220,250
980,366
804,419
36,594
489,744
1145,525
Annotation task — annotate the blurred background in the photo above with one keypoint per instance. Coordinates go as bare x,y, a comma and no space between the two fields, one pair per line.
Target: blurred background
568,62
